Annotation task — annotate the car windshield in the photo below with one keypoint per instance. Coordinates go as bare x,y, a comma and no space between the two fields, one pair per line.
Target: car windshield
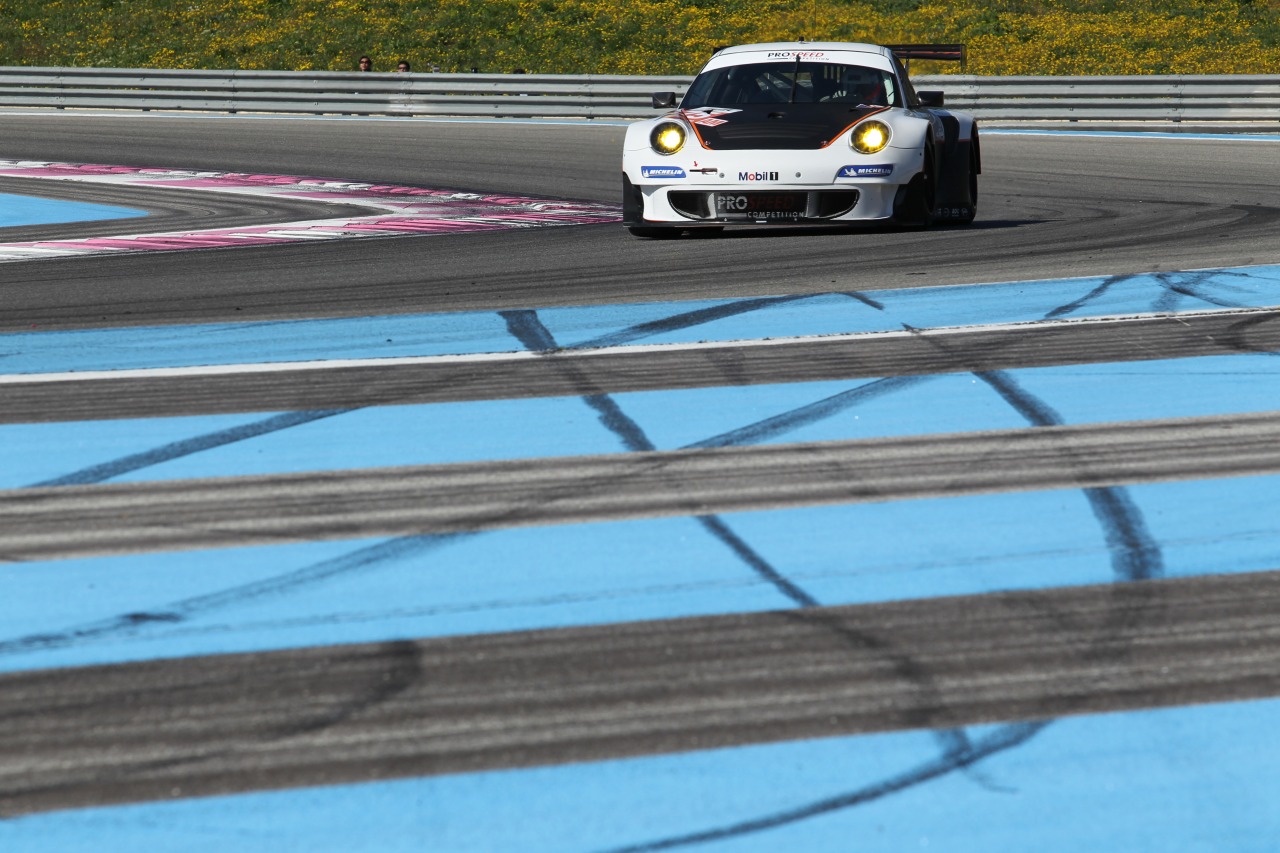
792,82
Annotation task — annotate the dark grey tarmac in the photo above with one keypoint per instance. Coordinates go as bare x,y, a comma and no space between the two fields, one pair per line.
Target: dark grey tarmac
319,716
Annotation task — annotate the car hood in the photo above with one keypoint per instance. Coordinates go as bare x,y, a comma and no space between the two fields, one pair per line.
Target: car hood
774,126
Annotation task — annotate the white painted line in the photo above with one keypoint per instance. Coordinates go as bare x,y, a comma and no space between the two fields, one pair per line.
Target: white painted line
571,352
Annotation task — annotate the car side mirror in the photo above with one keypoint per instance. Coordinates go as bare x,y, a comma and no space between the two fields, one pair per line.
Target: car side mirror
930,98
664,100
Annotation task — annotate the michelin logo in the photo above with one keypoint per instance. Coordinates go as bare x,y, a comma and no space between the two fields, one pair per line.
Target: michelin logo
661,172
865,171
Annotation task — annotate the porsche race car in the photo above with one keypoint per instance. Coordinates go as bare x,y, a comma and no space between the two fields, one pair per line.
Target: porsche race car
802,133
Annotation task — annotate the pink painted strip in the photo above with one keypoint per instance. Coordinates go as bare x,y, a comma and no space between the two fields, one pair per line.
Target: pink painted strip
400,209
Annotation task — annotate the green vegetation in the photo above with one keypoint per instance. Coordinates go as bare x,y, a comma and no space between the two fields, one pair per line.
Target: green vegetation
636,36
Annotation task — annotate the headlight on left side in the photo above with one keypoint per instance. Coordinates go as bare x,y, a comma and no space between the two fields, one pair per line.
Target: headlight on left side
870,137
667,137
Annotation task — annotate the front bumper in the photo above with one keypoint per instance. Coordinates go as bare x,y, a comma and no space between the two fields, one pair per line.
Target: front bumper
697,187
781,205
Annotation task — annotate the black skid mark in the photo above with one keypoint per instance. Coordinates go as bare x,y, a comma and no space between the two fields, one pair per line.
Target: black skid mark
1135,554
1100,290
186,609
1004,738
688,320
187,447
530,331
953,741
1175,287
618,422
1191,285
403,670
366,558
1238,334
859,296
773,427
1167,301
717,528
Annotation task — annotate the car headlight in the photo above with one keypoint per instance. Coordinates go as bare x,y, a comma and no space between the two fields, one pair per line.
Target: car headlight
870,137
667,138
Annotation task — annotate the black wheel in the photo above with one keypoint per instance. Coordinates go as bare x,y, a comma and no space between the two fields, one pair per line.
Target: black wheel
974,168
916,201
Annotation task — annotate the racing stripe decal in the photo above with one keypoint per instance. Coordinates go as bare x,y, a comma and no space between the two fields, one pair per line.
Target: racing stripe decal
854,124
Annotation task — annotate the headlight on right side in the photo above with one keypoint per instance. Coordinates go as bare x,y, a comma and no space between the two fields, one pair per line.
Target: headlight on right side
870,137
667,137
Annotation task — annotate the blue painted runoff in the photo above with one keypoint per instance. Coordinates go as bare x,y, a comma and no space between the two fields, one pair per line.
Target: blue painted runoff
86,611
82,453
73,612
844,312
1195,779
16,210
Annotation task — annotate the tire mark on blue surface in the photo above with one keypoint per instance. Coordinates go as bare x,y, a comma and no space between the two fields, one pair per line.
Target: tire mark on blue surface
955,744
527,328
674,322
1135,555
717,527
1174,286
863,298
1192,285
1004,738
365,558
813,413
958,751
187,447
200,605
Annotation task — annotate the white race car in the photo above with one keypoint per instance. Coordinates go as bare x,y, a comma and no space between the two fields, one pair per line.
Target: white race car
801,133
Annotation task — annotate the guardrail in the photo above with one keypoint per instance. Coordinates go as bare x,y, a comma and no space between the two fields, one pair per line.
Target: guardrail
1175,98
341,92
1172,98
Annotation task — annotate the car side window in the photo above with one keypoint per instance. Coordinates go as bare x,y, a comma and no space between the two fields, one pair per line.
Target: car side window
909,97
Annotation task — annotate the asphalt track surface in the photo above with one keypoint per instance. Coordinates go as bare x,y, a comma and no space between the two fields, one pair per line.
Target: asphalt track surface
82,521
1050,208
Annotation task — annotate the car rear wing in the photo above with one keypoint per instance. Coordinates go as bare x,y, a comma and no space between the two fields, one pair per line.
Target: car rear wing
937,52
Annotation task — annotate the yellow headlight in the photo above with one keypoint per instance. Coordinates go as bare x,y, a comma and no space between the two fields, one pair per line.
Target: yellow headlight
667,138
870,137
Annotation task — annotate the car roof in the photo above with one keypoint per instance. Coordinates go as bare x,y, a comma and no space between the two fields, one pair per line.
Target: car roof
802,45
743,53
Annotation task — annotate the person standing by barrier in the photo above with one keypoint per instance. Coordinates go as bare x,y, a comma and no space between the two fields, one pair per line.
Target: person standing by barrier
366,64
402,66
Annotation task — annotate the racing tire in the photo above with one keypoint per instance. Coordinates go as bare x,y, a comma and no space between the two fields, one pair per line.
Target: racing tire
968,218
916,201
